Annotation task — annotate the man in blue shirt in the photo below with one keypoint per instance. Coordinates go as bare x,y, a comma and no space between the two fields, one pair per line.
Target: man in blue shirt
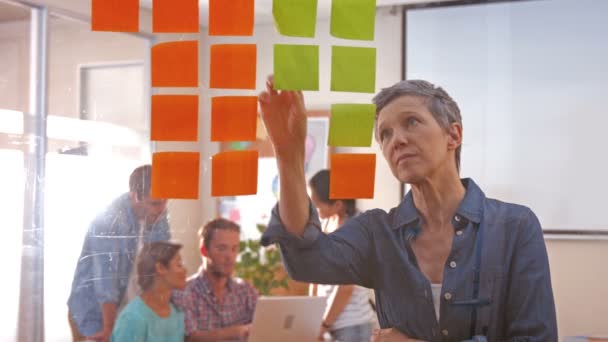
104,279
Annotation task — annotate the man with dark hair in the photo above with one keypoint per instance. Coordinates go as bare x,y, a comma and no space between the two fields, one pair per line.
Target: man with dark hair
105,278
217,306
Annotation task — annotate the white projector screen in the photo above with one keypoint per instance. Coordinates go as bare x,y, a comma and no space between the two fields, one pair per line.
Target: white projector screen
531,79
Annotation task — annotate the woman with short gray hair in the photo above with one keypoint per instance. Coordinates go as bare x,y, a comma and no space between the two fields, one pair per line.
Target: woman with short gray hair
448,263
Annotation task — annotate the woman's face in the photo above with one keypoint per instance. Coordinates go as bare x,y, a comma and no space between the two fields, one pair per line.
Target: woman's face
175,274
325,210
412,142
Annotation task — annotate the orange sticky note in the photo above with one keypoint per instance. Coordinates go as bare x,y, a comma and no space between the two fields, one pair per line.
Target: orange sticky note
175,64
234,173
233,118
174,118
352,175
231,17
115,15
175,16
175,175
233,66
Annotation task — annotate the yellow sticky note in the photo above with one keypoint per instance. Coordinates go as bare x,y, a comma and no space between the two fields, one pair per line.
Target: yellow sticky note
351,124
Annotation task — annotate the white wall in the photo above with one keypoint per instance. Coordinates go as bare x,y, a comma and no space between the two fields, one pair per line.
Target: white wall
580,285
14,65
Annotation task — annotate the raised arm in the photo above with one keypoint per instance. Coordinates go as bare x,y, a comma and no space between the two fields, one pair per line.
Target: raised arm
284,116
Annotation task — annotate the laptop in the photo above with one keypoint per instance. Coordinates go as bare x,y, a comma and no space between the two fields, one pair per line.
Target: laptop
292,319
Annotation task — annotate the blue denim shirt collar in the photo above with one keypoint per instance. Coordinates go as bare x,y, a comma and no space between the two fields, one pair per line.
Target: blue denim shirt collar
470,208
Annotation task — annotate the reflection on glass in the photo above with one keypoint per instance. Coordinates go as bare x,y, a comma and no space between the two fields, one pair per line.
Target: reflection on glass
98,133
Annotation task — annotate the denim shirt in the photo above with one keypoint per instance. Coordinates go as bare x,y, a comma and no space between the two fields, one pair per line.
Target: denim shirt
374,250
105,263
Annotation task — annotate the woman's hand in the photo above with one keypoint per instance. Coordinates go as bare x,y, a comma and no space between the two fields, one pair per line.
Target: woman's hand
322,331
391,335
284,116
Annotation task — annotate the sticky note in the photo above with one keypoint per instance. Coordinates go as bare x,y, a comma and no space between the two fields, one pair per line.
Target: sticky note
353,19
234,173
231,18
352,176
175,175
296,67
351,125
115,15
353,69
233,66
175,64
174,118
175,16
295,18
233,118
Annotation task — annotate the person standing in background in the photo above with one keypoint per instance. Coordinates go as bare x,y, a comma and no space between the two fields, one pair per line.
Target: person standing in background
349,315
105,279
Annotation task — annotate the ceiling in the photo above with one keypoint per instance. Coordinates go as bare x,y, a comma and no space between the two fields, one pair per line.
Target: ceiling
12,12
263,8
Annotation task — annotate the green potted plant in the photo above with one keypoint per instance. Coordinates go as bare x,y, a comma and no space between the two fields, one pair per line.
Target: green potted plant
261,267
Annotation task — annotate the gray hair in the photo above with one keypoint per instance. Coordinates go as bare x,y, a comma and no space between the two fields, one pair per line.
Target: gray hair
444,109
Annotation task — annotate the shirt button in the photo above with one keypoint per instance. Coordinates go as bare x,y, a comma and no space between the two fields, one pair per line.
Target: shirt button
447,296
444,332
459,232
452,264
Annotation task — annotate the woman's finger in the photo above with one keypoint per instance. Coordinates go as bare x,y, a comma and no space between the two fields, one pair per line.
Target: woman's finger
270,85
264,97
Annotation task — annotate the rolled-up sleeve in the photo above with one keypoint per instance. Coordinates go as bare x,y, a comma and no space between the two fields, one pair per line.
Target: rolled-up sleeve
338,258
530,304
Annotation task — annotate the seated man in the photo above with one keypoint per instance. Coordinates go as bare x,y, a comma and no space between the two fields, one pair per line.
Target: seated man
217,306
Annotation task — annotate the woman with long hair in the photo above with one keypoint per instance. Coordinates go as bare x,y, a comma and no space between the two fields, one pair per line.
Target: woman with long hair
348,314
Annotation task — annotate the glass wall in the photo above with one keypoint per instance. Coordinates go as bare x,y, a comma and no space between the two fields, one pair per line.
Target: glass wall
98,133
96,104
14,95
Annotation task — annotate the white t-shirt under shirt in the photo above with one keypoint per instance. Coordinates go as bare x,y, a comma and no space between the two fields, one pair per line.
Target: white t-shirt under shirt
436,292
357,311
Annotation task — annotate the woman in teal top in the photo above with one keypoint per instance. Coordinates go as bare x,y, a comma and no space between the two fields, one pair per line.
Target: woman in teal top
151,317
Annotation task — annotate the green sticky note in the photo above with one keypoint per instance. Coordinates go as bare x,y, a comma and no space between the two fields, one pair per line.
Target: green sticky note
351,125
353,19
296,67
295,18
353,69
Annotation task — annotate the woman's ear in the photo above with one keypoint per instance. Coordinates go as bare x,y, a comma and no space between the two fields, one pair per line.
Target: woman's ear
454,135
160,269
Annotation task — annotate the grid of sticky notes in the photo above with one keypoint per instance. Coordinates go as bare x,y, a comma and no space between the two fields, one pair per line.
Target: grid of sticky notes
353,69
174,117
